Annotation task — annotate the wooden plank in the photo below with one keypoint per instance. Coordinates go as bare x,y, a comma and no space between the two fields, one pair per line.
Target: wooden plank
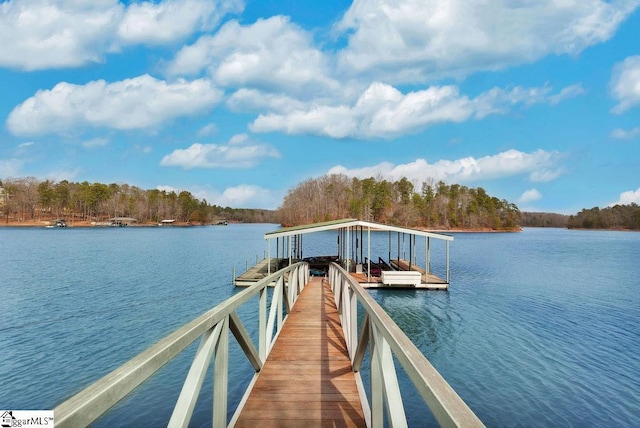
307,379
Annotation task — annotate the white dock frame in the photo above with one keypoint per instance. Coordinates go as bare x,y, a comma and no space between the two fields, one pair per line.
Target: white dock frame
350,229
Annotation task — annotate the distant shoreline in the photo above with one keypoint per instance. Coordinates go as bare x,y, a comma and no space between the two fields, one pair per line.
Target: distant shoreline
89,224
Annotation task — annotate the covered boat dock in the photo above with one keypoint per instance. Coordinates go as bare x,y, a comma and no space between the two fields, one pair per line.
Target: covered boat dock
406,263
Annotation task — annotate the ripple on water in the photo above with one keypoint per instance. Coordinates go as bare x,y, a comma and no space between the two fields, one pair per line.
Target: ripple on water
538,329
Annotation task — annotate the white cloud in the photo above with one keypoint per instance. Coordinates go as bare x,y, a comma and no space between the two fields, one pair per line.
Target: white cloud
567,93
271,53
245,99
239,152
406,40
240,196
137,103
530,195
95,142
545,175
622,134
383,111
208,129
247,196
628,197
172,20
505,164
145,150
238,139
625,84
69,33
56,34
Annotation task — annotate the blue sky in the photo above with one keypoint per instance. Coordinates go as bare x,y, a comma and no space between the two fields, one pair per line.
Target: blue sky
538,102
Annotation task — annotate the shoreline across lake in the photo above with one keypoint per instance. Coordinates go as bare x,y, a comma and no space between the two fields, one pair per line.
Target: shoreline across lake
90,224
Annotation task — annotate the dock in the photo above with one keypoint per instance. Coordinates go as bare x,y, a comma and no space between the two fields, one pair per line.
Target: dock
410,267
429,281
307,379
318,330
257,272
311,349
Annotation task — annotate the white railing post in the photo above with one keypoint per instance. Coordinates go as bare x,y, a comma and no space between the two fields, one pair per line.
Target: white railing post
280,296
221,377
271,321
262,326
291,289
353,324
391,389
345,314
193,383
377,398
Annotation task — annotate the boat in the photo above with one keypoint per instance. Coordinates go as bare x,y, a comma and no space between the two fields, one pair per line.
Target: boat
405,264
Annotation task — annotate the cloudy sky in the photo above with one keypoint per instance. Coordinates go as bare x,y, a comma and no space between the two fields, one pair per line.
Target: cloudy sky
238,101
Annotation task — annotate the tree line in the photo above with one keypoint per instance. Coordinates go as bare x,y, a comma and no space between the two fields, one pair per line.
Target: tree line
435,205
538,219
32,199
616,217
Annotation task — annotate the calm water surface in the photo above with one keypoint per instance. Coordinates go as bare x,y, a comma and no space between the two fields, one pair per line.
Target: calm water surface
539,328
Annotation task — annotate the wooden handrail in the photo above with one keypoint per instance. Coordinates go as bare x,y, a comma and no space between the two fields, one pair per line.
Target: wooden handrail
213,326
377,330
385,337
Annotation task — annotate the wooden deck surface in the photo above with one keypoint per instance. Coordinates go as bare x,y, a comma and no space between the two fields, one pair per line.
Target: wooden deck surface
257,272
307,380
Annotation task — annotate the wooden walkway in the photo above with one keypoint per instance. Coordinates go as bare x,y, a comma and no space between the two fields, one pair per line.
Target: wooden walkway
307,379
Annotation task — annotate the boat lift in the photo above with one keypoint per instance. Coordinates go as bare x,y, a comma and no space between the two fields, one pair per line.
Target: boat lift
353,237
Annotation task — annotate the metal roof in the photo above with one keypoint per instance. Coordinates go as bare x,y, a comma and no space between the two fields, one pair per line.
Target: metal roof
344,223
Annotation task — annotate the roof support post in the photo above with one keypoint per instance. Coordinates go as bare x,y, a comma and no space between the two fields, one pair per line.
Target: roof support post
268,257
411,243
369,254
346,262
427,258
448,270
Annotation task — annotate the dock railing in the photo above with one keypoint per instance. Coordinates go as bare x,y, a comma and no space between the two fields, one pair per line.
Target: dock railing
213,328
385,340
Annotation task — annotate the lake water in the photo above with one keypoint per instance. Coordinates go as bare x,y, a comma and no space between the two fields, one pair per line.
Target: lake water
538,329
